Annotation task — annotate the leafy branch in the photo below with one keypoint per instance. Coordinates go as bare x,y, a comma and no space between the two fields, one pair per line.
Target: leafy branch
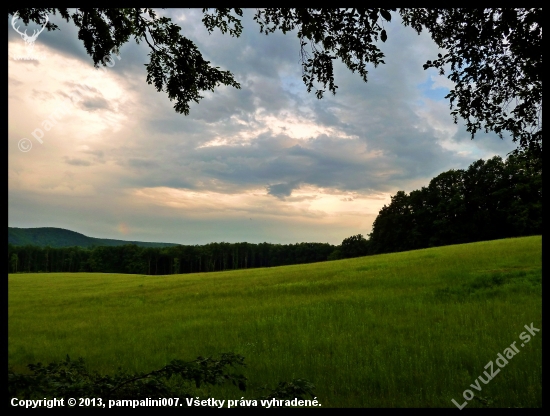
70,378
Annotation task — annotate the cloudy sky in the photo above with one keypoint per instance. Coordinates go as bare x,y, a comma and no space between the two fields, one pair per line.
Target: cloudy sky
268,162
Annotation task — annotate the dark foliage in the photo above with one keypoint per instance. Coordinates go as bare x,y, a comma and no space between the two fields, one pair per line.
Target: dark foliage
179,379
491,199
354,246
494,58
130,258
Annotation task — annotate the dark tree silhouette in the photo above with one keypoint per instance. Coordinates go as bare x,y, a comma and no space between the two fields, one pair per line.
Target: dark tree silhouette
491,199
354,246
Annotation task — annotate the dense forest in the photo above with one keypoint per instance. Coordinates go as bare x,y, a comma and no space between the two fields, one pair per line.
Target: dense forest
167,260
491,199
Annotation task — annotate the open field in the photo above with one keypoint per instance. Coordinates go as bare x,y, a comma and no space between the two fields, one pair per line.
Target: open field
411,329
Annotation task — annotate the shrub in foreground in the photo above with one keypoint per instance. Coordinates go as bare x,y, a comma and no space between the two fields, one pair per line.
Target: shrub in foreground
179,379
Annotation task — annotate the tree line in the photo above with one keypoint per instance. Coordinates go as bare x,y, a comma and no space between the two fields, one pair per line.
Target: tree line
489,200
162,261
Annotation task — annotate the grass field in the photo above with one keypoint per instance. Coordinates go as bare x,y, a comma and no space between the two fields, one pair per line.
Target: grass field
412,329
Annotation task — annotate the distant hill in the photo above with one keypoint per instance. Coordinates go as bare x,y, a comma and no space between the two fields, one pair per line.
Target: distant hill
59,237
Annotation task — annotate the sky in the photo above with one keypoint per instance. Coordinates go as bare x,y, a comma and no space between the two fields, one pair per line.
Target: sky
267,162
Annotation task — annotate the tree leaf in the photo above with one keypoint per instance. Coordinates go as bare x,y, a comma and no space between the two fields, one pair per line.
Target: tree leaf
385,14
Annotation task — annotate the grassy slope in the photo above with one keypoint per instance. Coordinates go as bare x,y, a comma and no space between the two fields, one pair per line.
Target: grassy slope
403,329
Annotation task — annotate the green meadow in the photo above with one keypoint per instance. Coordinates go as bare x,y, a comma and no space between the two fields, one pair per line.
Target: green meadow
410,329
